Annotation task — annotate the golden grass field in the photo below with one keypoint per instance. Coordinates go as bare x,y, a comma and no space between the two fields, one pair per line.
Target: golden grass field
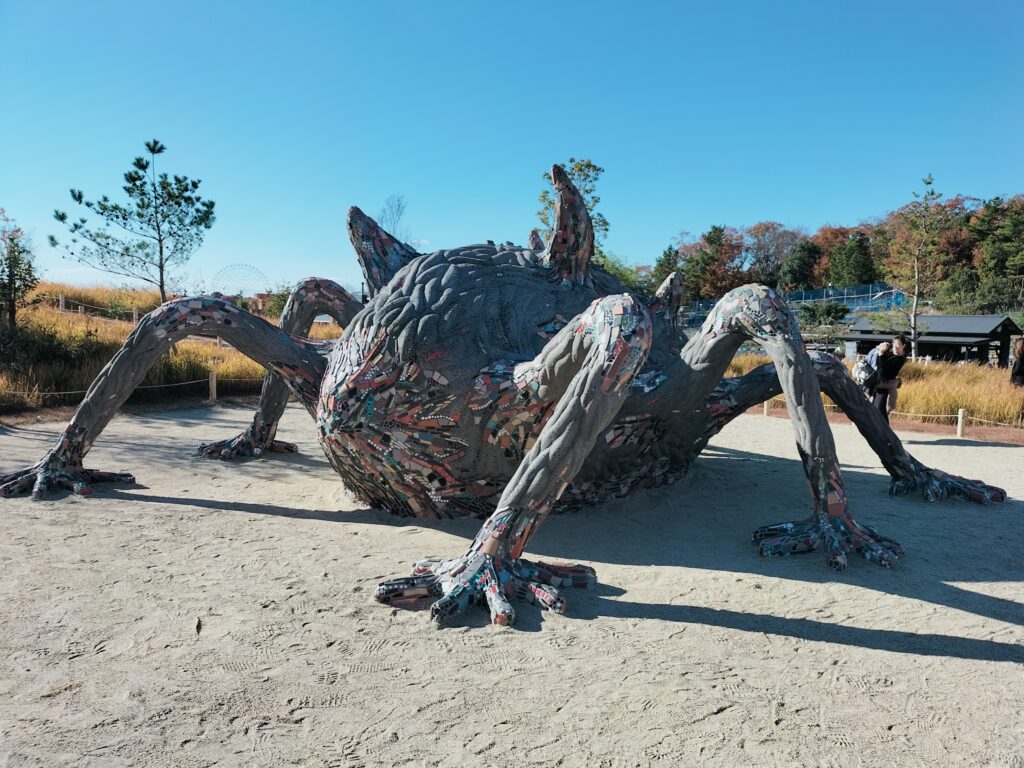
191,360
935,391
932,392
104,297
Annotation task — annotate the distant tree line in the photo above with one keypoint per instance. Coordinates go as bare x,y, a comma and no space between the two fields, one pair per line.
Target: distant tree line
968,254
959,254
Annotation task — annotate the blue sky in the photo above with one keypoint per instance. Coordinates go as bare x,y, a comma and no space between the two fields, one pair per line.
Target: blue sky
803,112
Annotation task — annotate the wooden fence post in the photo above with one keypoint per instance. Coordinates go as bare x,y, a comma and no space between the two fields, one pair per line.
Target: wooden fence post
61,304
767,405
213,385
135,315
961,420
81,309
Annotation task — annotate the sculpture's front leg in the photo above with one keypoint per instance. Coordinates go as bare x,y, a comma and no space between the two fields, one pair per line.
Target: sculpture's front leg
586,368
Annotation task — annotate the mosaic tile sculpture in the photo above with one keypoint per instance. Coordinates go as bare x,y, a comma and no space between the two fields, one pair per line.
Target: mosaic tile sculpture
506,383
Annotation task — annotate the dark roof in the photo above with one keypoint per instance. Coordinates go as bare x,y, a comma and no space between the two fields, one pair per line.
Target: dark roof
928,325
965,341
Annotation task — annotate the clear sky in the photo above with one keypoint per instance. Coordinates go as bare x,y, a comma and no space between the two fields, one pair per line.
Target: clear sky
727,113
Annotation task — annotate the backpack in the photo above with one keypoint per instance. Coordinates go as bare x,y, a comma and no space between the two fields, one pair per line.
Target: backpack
864,373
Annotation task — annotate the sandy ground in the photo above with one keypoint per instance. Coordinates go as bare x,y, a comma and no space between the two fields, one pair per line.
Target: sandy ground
220,614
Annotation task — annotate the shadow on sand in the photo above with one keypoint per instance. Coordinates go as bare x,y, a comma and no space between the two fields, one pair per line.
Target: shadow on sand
659,528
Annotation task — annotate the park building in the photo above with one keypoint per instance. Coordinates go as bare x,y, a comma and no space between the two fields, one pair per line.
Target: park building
952,338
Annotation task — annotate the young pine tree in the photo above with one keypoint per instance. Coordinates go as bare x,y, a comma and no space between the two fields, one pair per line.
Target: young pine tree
157,231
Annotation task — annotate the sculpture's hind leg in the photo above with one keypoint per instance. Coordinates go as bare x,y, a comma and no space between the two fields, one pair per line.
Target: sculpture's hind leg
586,368
310,298
298,363
734,396
757,313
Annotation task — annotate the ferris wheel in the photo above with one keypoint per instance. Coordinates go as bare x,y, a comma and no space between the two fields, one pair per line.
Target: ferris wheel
241,280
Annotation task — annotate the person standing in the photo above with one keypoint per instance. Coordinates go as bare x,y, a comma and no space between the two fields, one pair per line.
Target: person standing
1017,371
889,362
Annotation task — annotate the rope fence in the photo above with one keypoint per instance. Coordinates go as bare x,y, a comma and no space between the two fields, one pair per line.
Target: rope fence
123,313
1019,425
211,381
62,304
962,417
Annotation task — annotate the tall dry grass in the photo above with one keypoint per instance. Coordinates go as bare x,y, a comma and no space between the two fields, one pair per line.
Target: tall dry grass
324,331
117,303
104,299
93,341
935,391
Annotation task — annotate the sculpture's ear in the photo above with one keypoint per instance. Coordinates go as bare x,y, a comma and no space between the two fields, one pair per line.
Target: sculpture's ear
670,294
536,243
380,254
571,245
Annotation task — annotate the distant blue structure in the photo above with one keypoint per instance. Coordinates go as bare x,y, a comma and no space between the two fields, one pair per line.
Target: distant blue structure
869,297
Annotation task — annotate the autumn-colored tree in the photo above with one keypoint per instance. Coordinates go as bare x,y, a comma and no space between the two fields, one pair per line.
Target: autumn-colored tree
765,246
957,292
827,238
956,241
713,265
916,264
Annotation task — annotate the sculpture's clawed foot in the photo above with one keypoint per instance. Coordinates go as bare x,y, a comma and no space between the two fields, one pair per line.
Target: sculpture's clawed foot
478,578
44,477
840,534
244,445
936,484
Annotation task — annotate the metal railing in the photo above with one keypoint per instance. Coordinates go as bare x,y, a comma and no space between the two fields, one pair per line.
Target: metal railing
868,297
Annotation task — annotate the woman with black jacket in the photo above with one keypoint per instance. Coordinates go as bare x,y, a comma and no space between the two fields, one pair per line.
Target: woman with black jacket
891,357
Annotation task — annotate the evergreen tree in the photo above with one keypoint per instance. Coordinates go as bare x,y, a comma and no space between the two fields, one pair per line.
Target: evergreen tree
797,270
998,231
17,270
958,293
851,262
666,264
159,229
